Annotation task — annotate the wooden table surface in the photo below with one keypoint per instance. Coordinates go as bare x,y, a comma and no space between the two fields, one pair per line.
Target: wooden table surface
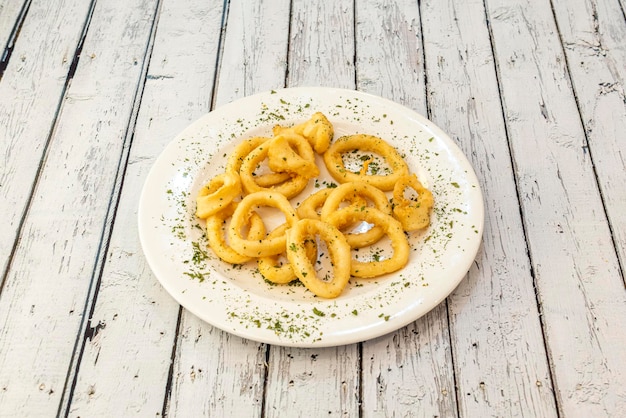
532,91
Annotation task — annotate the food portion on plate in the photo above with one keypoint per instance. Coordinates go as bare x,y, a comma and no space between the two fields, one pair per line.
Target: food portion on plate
377,198
255,293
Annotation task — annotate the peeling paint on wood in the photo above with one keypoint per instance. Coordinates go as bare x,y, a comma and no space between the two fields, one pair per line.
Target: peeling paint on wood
533,93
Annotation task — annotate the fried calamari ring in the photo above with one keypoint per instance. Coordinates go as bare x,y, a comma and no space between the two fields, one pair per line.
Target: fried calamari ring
215,234
290,188
309,207
218,194
282,157
267,172
338,248
259,247
267,180
350,191
392,228
241,151
280,273
317,130
334,160
413,214
235,159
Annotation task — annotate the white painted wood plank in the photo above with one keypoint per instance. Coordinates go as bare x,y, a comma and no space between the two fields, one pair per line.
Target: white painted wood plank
28,103
577,276
225,373
41,307
501,366
316,382
313,382
10,11
255,48
593,33
389,55
124,369
408,373
321,49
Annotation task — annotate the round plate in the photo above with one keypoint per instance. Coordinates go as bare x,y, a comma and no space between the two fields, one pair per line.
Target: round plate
236,298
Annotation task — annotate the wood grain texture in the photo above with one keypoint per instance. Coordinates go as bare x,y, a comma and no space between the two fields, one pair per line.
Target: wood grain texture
125,366
216,374
408,373
321,48
9,14
389,54
42,303
28,104
531,90
577,276
317,382
313,382
593,33
501,366
255,48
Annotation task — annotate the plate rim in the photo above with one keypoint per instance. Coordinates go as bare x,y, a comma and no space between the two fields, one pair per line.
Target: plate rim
370,332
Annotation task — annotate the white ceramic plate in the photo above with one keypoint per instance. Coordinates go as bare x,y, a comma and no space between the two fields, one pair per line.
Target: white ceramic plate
236,298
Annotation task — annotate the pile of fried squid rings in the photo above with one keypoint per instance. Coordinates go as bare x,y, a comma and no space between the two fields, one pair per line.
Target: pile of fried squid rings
289,252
